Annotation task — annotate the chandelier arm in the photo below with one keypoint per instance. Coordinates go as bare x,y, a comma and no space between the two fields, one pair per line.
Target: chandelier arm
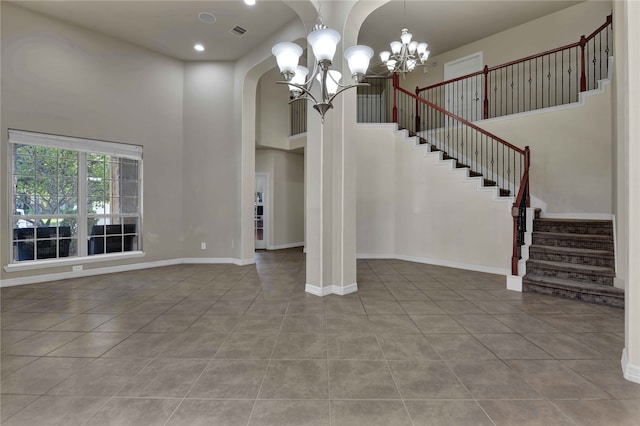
313,75
306,92
343,88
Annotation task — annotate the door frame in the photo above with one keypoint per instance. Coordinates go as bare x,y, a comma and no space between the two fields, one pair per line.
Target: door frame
266,205
475,62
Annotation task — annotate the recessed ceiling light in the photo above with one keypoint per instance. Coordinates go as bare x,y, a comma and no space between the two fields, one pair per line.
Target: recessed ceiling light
198,47
249,2
206,17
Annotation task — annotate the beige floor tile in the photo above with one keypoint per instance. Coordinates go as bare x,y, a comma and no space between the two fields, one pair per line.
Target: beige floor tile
42,375
289,413
490,379
369,413
300,346
41,343
102,377
447,413
413,347
206,412
427,380
56,410
92,344
354,346
134,411
525,413
555,380
295,379
361,380
232,379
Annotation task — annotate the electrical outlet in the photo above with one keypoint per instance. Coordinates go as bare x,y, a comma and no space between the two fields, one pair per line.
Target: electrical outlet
76,268
203,246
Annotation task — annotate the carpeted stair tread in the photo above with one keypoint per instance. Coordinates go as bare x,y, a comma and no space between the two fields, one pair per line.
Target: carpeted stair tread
574,286
596,270
570,221
573,283
571,250
574,236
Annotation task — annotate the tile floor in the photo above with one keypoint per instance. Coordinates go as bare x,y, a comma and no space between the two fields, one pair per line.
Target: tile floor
227,345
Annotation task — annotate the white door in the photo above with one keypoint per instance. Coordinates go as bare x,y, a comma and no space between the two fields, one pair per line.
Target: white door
464,98
260,210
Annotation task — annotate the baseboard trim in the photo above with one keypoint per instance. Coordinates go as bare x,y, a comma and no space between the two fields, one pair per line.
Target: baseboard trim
631,372
514,283
331,289
35,279
285,246
437,262
586,216
218,260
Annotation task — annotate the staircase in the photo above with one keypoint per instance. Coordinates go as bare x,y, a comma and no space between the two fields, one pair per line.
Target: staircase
573,259
445,156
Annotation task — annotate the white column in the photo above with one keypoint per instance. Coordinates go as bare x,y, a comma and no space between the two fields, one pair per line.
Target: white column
627,59
330,173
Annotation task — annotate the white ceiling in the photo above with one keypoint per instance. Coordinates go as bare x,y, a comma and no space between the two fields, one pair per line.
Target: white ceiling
446,25
171,27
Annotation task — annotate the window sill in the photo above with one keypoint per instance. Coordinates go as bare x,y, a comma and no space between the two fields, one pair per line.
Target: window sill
41,264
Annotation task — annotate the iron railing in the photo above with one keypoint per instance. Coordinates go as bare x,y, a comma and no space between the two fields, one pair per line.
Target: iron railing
519,214
551,78
485,154
373,101
298,117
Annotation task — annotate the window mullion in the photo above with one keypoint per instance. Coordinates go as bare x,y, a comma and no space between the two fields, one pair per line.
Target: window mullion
82,204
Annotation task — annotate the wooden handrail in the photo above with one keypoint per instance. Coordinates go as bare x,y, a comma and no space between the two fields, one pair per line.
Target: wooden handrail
453,80
608,21
461,120
515,210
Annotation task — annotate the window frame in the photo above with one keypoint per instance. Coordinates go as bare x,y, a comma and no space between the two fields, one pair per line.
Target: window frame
84,148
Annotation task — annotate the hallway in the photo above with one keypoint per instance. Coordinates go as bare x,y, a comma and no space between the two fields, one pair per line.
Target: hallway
229,345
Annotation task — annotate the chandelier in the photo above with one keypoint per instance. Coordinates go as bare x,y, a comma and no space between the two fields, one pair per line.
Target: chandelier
405,54
323,42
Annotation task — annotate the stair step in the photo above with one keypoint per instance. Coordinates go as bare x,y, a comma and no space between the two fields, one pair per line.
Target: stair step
574,226
571,271
585,241
573,255
571,289
474,174
505,192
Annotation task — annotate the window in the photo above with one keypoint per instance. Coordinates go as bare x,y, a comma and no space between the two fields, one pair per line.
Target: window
73,197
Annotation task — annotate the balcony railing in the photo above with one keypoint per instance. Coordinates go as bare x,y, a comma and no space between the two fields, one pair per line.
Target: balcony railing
551,78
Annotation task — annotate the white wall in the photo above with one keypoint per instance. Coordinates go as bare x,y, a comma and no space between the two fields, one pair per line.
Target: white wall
211,161
545,33
272,112
413,207
286,188
571,153
65,80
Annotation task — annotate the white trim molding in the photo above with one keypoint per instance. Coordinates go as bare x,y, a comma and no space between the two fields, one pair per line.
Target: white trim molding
34,279
631,372
514,283
74,261
218,260
331,289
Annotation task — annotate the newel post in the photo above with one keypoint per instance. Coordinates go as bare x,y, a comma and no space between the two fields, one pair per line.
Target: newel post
583,76
417,110
395,96
485,108
527,164
514,255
